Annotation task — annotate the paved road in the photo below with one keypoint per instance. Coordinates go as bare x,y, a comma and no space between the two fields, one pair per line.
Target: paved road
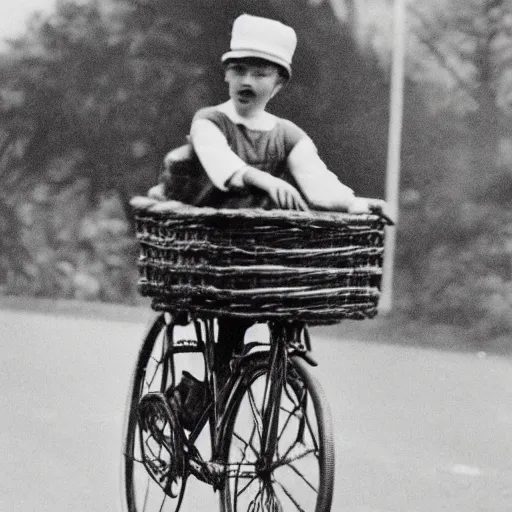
417,430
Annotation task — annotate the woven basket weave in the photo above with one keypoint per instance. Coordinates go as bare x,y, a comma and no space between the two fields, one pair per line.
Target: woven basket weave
310,266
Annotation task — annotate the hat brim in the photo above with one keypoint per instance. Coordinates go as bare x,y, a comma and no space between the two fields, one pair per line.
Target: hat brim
244,54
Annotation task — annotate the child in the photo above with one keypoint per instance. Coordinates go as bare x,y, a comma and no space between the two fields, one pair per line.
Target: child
249,157
243,156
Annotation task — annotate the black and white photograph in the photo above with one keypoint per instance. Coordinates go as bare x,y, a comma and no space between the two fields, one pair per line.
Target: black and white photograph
256,256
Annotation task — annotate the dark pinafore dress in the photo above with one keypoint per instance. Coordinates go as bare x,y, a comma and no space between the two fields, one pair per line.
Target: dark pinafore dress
185,179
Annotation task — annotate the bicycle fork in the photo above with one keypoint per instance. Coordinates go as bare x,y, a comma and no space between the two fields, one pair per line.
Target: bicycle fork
276,378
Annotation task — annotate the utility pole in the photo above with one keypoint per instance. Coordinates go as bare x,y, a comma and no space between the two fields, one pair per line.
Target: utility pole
394,147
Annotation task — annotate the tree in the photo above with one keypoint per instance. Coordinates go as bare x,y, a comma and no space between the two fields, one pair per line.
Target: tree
460,63
65,126
471,43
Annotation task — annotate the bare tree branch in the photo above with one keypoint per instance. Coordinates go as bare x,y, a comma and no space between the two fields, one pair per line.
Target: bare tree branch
440,56
443,62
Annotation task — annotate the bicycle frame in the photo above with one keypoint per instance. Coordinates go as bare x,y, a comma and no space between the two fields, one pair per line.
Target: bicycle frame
286,340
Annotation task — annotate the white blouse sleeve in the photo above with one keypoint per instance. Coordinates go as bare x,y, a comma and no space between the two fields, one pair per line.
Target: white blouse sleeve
321,188
219,161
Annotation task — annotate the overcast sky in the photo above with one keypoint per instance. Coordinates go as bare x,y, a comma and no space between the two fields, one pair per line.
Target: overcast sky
14,13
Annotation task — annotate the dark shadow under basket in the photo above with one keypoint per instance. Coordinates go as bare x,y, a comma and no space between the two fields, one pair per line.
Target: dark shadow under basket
318,267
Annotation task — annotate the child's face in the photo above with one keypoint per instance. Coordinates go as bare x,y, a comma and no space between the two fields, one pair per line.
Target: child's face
252,83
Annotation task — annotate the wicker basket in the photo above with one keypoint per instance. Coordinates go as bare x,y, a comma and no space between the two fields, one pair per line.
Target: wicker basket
314,267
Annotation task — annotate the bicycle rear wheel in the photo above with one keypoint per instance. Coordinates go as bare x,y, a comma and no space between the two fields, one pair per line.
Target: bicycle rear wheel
154,458
301,476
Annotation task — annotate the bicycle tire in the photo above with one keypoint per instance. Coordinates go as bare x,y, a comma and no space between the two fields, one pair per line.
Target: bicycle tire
135,501
314,392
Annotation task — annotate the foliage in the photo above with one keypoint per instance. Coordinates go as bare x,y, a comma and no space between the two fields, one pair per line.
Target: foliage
56,118
456,232
72,251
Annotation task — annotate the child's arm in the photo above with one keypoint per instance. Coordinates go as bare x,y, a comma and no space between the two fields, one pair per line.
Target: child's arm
283,194
214,153
228,171
321,187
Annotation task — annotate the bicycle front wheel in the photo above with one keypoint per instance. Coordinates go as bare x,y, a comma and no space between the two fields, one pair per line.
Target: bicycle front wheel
154,459
301,474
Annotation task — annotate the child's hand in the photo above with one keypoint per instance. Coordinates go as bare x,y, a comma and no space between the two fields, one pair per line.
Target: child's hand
283,195
368,205
359,205
286,196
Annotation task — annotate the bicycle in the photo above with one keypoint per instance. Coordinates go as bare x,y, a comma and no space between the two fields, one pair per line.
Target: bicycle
270,429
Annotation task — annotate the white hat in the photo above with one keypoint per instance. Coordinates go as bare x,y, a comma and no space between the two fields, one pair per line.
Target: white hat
263,38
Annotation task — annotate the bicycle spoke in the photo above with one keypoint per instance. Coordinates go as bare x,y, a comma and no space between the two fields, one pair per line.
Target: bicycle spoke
291,414
287,421
252,505
240,466
245,487
290,497
161,363
146,495
150,382
256,414
247,443
163,502
293,459
307,482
